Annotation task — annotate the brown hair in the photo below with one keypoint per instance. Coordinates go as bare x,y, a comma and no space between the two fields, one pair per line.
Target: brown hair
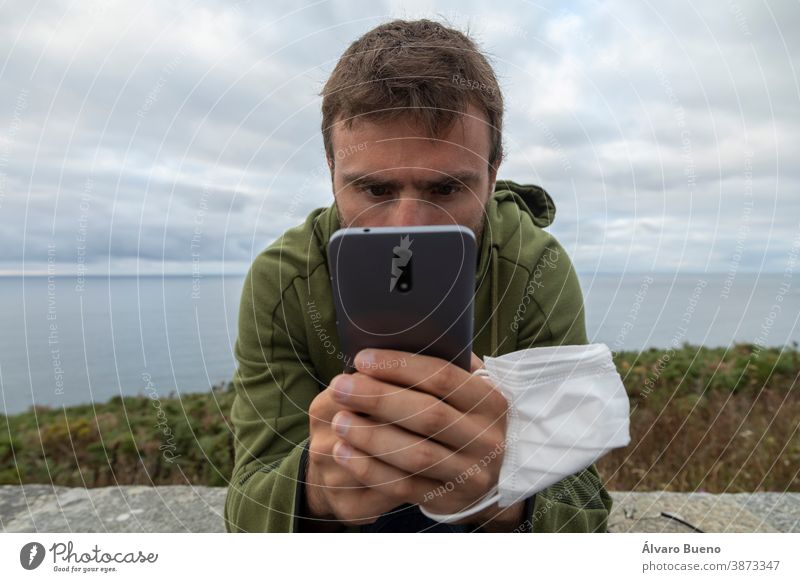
416,68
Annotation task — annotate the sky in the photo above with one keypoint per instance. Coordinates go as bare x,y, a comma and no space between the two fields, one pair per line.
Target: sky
184,137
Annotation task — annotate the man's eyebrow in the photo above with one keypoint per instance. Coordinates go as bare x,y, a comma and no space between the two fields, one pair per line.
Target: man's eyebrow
358,179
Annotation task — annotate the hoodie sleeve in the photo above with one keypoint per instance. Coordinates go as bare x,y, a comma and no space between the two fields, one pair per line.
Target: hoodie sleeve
580,502
274,385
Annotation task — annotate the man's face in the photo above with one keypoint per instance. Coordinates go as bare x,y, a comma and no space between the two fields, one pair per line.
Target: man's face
389,173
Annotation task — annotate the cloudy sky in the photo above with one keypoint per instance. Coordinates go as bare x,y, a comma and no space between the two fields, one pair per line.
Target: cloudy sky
166,136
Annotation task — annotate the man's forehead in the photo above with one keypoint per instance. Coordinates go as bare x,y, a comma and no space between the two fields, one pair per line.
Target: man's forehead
470,131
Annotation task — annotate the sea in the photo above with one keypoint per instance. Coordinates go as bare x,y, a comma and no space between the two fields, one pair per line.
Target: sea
65,342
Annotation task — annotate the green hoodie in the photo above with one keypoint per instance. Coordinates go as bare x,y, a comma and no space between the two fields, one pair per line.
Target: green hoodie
526,295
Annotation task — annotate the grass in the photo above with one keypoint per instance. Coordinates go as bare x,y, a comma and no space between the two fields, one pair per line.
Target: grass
712,419
130,440
716,420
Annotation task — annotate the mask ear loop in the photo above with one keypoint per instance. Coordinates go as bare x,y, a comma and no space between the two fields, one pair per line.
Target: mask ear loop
489,499
492,497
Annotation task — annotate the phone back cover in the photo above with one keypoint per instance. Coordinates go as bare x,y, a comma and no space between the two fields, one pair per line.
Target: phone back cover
434,316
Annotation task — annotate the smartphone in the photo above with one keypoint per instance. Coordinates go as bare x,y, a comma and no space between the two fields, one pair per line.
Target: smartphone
406,288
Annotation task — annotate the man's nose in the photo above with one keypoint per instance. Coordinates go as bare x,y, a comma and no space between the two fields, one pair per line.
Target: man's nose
410,210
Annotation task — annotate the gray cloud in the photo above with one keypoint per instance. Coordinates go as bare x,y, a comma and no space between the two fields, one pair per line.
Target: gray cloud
653,130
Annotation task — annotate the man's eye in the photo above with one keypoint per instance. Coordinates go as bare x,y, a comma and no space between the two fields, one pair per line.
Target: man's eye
447,189
376,190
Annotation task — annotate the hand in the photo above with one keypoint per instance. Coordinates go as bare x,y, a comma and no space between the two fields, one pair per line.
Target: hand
331,490
434,435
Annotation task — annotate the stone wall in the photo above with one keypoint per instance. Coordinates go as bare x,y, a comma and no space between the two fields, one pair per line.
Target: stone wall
45,508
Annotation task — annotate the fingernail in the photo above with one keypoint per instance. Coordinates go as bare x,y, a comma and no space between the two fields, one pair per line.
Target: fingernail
342,387
364,358
341,422
342,452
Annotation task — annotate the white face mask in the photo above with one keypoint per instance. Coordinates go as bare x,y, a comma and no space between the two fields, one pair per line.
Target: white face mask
567,408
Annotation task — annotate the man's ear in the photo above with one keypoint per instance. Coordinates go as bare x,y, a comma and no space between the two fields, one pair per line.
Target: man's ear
492,179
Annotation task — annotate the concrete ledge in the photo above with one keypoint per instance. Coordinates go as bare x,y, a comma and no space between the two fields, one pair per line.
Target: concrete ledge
44,508
666,511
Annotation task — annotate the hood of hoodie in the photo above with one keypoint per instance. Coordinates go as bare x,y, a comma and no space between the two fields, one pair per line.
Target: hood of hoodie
536,202
514,214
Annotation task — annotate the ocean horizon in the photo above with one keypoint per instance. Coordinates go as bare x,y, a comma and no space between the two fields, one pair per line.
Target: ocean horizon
69,341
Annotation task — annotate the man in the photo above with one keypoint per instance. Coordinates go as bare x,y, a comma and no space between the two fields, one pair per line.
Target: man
412,127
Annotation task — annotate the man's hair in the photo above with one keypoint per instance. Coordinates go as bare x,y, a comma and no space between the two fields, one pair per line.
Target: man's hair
420,69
